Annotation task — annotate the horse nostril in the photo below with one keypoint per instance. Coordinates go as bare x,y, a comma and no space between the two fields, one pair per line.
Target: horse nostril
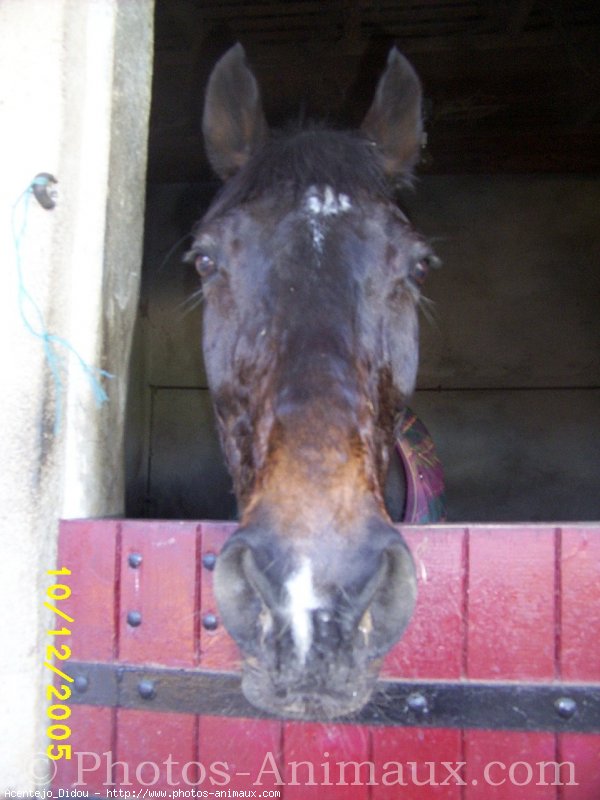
239,589
249,589
390,599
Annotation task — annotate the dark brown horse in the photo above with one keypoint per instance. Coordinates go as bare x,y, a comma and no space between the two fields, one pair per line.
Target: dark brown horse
311,277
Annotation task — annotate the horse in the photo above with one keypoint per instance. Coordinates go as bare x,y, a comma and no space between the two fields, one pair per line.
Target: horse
312,277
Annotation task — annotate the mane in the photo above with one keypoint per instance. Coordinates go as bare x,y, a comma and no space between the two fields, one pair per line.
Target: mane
289,163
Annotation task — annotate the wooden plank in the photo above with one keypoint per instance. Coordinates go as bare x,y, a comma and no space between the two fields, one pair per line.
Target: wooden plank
155,750
217,648
161,590
511,629
580,651
415,756
502,765
314,757
245,754
417,763
439,556
579,757
92,735
88,548
158,570
580,603
511,603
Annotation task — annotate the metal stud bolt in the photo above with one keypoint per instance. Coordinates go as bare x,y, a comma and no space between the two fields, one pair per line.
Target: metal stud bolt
565,707
81,684
417,703
134,560
146,689
210,622
134,618
209,560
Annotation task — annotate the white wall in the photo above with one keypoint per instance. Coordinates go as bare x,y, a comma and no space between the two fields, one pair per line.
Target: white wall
75,90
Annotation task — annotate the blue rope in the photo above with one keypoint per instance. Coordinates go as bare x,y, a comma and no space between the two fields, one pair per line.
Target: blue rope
33,319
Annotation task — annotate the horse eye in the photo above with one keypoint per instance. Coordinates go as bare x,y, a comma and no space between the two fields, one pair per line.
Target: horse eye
419,271
205,265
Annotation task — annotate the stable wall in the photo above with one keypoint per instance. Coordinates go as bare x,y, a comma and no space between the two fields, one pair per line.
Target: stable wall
75,88
510,364
509,382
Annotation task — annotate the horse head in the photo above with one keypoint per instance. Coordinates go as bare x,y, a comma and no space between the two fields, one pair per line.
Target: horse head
311,278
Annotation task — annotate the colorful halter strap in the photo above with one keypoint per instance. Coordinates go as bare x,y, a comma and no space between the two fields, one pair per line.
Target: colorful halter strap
425,498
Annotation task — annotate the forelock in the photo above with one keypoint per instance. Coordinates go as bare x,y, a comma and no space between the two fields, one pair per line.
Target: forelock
289,164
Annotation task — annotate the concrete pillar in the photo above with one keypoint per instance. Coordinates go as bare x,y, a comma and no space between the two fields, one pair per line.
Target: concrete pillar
75,78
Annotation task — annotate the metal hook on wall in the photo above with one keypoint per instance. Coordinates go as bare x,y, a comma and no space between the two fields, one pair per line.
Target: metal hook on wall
43,190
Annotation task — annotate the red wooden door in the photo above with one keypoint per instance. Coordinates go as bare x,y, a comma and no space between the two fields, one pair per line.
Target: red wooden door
498,605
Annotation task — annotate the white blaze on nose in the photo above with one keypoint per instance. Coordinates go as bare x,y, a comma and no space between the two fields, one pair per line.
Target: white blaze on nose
320,203
302,600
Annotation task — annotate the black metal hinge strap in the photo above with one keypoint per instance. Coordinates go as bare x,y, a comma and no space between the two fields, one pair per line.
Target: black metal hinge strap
569,707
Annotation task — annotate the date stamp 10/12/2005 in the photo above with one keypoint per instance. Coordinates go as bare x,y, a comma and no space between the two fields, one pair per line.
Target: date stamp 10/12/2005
57,692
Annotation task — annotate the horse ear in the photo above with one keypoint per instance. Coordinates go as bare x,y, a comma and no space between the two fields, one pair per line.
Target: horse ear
394,121
233,122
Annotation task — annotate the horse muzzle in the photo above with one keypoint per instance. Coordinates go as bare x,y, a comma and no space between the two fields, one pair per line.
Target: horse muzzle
314,619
